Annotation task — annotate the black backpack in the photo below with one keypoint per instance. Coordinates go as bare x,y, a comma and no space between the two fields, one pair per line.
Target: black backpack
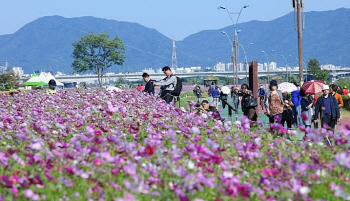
178,88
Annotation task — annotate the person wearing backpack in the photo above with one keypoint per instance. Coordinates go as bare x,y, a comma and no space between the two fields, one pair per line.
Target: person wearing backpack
168,85
248,110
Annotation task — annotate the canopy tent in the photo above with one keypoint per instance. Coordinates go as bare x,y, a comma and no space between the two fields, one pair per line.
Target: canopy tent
49,76
43,77
35,81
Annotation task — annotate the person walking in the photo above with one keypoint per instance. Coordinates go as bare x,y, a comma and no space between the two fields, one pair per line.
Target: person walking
167,84
314,98
235,98
334,92
210,95
296,108
307,110
274,103
216,95
287,115
149,88
198,93
328,109
248,111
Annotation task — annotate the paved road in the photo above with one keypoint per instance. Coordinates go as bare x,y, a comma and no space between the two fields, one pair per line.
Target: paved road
262,117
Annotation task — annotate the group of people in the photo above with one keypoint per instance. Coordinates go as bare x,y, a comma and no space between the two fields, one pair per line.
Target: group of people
303,109
295,109
167,85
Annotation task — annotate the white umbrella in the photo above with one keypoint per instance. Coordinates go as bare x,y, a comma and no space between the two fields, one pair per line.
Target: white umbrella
111,88
225,90
287,87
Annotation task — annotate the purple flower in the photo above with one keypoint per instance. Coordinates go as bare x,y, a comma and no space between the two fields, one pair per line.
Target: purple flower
343,159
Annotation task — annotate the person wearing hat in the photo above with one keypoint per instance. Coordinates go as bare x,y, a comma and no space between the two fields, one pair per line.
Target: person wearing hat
327,107
274,103
52,87
345,91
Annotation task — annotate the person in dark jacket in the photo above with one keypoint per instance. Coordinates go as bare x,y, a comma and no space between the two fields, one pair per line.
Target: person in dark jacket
149,88
287,110
249,112
328,109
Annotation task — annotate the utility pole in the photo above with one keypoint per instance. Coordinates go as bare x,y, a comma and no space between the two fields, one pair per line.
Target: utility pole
298,5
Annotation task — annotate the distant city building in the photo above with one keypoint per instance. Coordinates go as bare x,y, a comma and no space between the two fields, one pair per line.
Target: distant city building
229,67
219,67
18,71
273,66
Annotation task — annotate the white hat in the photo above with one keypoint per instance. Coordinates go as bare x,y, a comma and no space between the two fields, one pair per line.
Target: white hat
325,87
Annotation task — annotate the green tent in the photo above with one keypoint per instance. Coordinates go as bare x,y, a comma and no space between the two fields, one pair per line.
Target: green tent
35,81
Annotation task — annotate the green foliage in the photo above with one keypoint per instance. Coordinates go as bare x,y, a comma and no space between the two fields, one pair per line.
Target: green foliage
193,81
315,70
120,81
343,82
346,100
293,79
228,81
9,81
96,53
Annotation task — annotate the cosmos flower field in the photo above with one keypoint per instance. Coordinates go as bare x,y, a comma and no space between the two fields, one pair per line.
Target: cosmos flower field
99,145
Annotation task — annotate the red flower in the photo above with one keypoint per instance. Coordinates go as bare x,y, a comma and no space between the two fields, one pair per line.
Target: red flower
98,133
149,150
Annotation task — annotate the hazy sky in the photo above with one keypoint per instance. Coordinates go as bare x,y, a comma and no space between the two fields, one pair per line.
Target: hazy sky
175,19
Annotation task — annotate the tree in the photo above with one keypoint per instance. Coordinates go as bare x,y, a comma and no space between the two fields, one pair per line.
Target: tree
9,80
313,66
315,70
96,53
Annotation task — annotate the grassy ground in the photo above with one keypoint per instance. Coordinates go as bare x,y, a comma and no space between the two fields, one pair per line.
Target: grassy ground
344,113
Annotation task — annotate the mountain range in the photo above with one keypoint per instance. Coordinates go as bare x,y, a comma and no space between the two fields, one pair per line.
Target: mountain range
46,43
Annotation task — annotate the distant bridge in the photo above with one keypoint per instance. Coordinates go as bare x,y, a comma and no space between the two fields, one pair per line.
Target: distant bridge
335,74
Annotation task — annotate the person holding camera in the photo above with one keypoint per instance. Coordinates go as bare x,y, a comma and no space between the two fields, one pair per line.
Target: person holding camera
149,88
205,107
248,110
274,103
198,93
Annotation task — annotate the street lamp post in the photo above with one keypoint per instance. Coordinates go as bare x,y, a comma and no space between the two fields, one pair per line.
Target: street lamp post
268,65
246,64
232,56
286,67
235,39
